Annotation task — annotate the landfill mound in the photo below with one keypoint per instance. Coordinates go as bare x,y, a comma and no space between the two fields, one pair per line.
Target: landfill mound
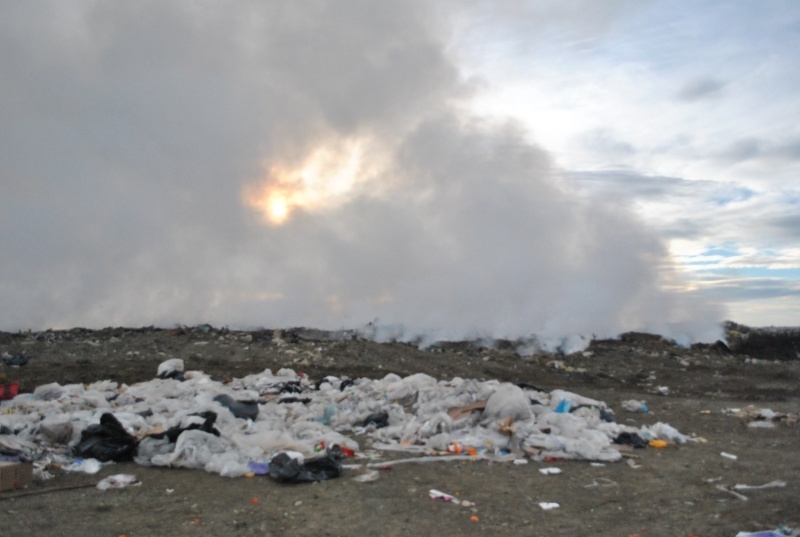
191,420
738,409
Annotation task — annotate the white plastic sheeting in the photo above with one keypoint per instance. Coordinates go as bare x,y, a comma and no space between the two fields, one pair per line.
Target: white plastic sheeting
515,421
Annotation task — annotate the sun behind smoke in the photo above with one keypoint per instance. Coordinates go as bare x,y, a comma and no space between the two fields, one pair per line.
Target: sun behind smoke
322,179
277,207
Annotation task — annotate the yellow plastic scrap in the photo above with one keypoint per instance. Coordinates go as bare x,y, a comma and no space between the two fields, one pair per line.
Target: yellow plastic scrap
658,444
506,428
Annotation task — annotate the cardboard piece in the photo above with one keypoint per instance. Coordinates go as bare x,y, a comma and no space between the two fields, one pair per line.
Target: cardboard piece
14,475
461,412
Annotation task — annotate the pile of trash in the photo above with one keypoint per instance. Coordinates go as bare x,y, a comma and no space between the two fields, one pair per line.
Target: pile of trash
295,429
762,418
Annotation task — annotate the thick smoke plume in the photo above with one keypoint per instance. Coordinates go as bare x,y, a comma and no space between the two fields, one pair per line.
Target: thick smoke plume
294,163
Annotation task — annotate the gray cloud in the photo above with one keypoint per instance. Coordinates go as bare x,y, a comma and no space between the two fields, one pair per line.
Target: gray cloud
131,131
607,143
614,184
741,289
760,149
789,223
741,150
701,88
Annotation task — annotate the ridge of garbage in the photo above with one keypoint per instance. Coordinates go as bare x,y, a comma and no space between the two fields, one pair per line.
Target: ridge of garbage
168,421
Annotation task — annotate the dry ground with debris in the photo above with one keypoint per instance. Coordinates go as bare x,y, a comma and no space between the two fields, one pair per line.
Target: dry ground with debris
671,492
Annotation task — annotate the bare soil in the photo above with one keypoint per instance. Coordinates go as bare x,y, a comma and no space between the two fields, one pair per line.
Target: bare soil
672,492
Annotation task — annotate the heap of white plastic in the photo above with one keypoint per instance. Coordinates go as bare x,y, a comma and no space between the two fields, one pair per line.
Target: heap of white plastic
417,408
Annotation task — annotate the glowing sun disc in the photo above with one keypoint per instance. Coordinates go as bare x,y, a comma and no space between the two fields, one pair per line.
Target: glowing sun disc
277,208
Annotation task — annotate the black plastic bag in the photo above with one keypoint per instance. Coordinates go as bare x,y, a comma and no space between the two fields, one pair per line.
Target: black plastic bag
247,410
630,439
285,469
379,420
16,360
207,426
107,441
292,399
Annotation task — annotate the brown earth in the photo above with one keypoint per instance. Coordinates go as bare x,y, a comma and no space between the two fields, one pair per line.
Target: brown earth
672,492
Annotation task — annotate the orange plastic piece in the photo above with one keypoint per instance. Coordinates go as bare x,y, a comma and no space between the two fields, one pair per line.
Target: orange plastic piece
474,518
658,444
455,447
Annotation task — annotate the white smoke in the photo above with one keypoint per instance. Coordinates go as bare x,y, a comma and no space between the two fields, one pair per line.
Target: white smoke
133,131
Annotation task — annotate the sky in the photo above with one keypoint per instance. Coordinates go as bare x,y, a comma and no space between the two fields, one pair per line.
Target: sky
434,170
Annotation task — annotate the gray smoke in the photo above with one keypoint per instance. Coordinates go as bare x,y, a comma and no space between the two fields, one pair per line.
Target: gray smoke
134,134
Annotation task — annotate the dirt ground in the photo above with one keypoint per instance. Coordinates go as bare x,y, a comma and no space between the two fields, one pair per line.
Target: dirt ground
670,492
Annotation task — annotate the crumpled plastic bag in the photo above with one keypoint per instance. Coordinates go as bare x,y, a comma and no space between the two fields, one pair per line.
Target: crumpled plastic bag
106,441
508,401
207,426
171,369
86,466
247,410
118,481
286,469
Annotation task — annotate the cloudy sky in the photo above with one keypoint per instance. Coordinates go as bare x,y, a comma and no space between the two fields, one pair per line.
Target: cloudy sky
445,168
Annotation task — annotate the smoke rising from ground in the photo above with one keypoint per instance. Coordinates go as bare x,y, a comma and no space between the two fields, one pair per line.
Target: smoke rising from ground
133,133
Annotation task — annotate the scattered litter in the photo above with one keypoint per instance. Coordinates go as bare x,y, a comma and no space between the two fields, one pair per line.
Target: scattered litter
474,518
15,474
9,391
781,531
455,448
521,461
550,470
597,464
258,468
632,464
663,431
14,360
754,415
432,458
658,444
627,438
772,484
723,488
118,481
370,475
729,456
601,482
86,466
761,534
548,506
761,425
287,469
633,405
439,495
663,390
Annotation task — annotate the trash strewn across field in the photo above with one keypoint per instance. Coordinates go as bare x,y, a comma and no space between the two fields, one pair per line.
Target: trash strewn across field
284,423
